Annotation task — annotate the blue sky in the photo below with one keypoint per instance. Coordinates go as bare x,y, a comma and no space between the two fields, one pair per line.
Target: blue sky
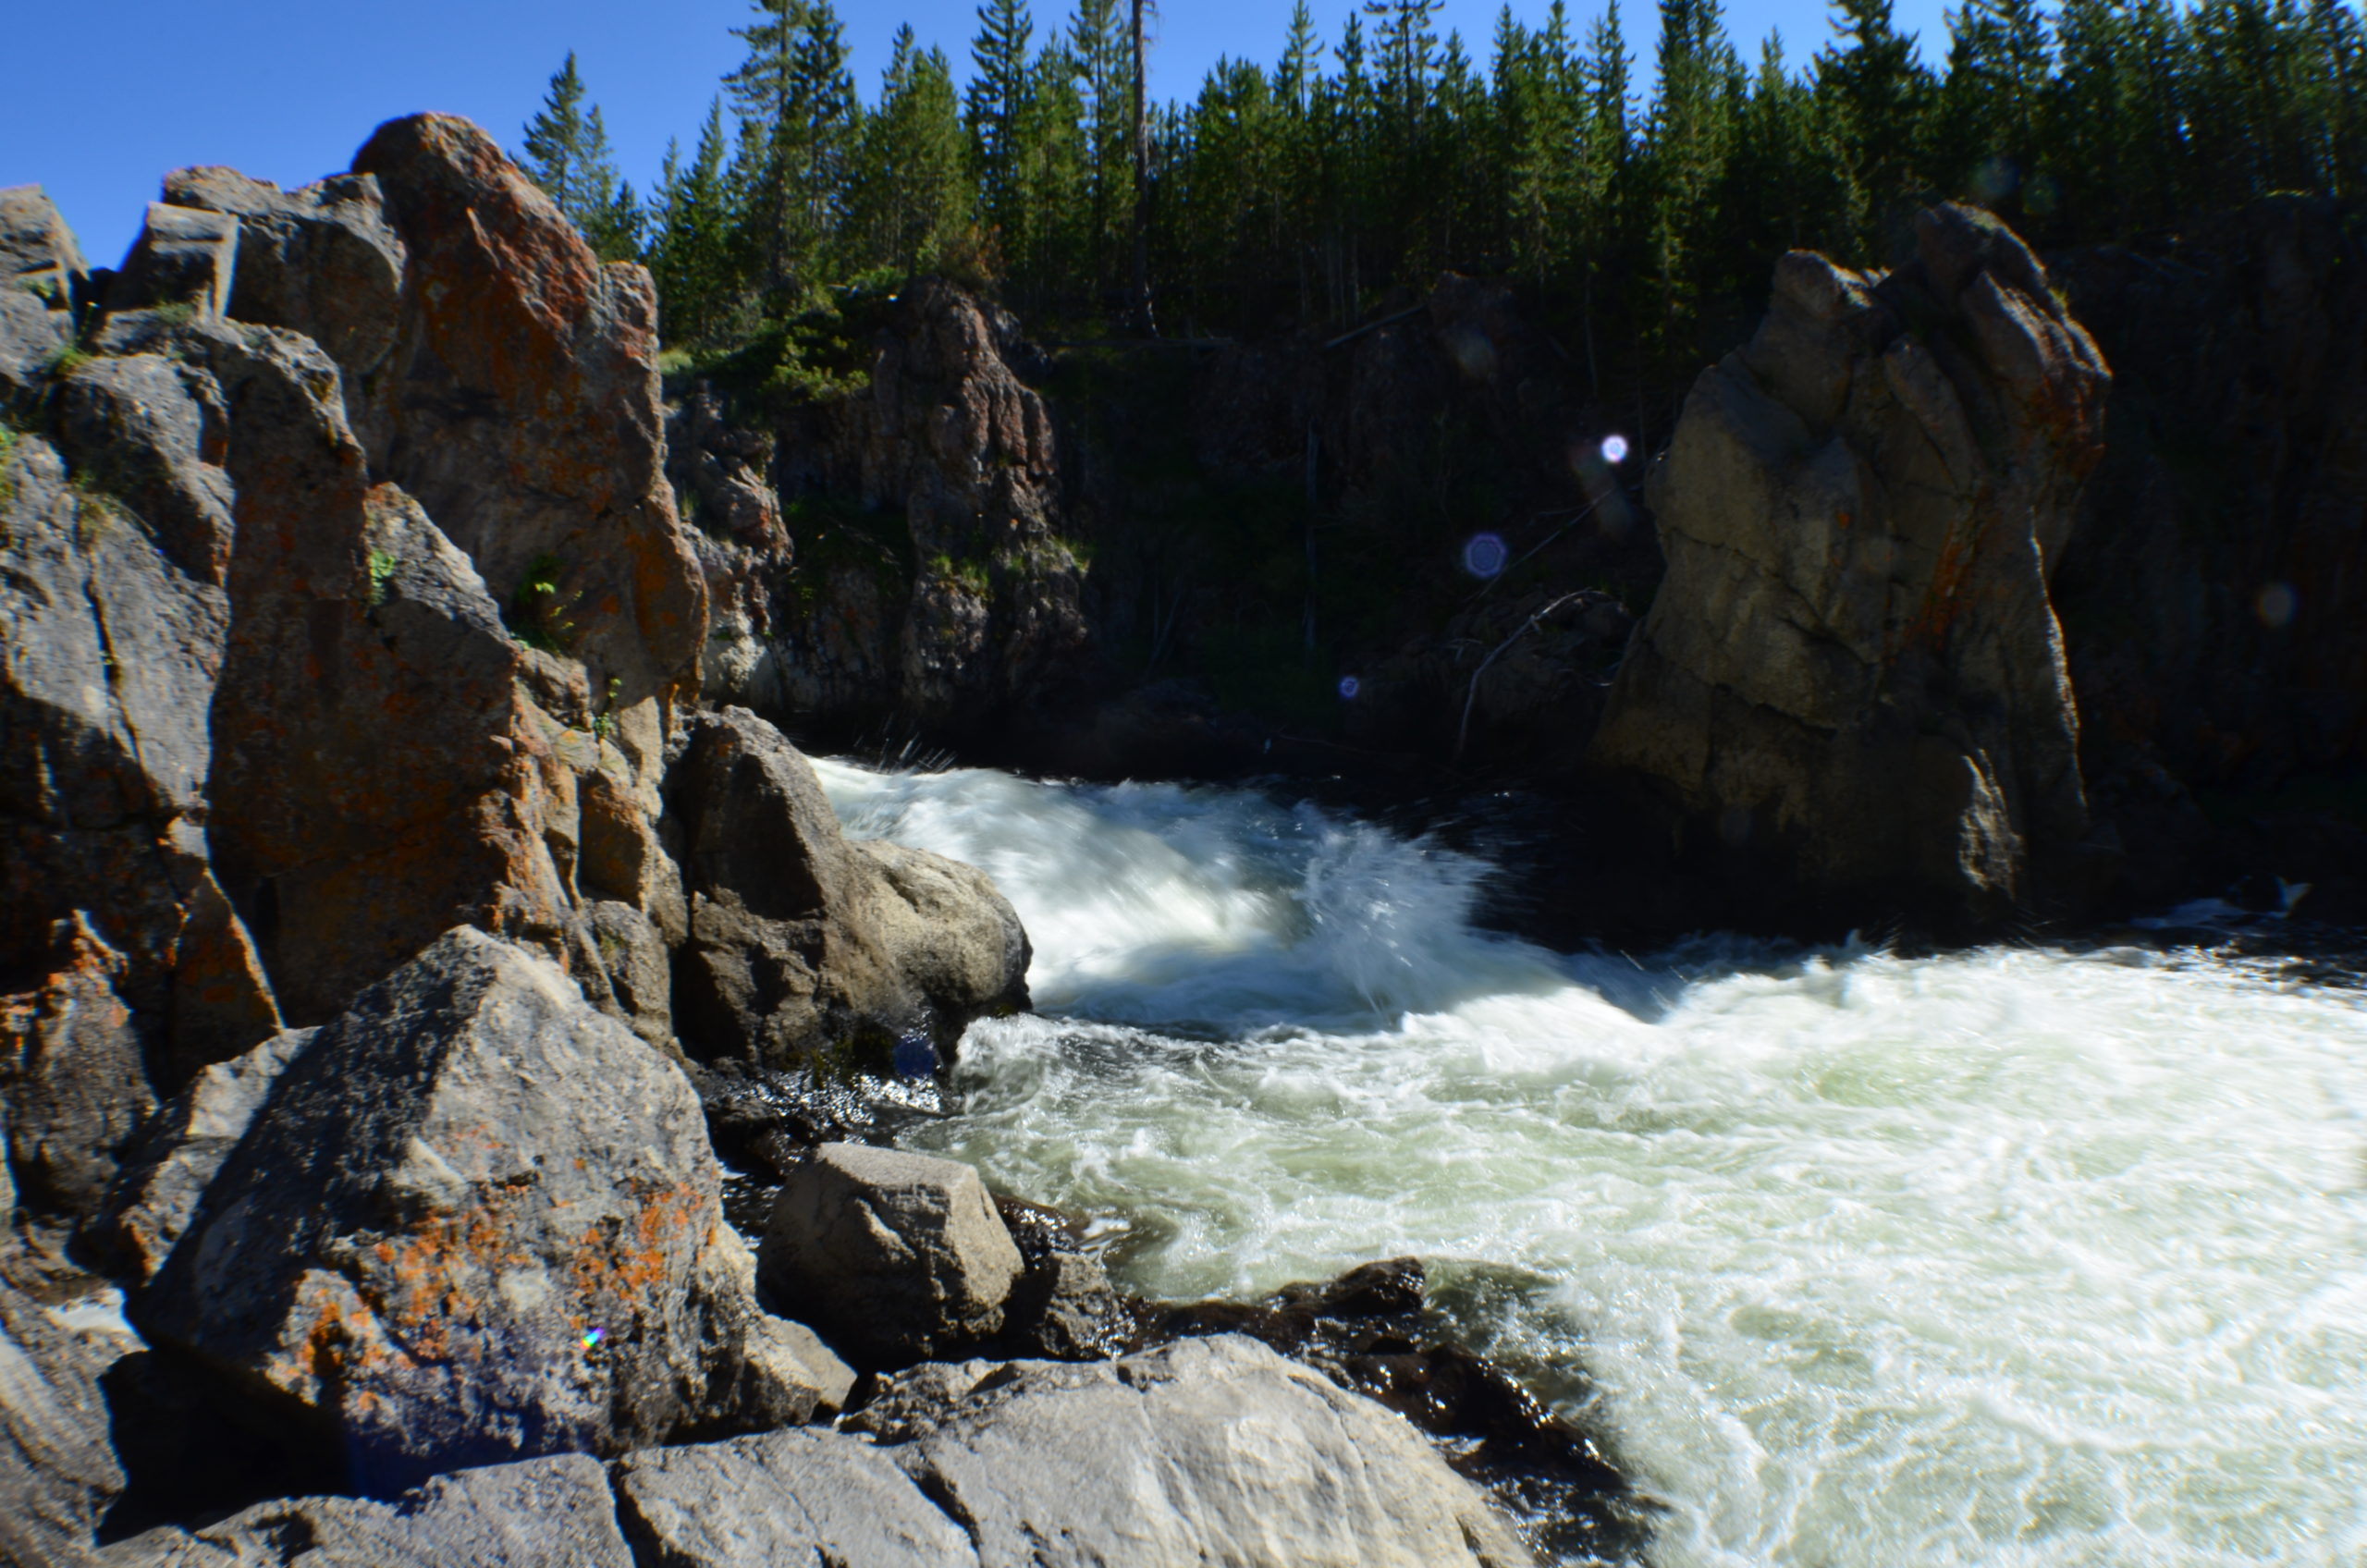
99,105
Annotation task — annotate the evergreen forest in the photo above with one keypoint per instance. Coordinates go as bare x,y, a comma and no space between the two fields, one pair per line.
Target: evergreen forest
1307,192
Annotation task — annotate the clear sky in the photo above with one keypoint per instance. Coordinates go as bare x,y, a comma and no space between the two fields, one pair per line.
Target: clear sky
100,105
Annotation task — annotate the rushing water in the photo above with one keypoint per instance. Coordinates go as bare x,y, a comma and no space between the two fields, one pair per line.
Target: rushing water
2007,1257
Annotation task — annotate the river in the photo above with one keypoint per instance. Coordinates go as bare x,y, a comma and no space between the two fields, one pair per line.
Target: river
2008,1257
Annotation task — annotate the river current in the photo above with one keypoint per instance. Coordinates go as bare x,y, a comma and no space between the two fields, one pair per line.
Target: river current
2012,1256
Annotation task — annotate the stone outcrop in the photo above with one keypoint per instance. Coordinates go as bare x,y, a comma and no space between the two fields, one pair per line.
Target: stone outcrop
58,1471
555,1512
480,1222
925,568
527,422
899,1258
73,1077
106,676
805,945
322,260
183,257
1852,666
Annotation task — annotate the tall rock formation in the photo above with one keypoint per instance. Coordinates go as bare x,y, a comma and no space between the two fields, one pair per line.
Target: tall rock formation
1852,666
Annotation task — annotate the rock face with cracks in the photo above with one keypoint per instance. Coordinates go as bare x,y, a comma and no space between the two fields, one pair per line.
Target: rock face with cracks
1852,664
480,1222
804,944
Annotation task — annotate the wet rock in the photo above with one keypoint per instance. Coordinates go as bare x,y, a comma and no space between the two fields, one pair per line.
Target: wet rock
555,1512
73,1076
1212,1450
1064,1308
1371,1331
58,1471
182,257
527,422
106,678
1852,669
806,949
781,1498
322,260
896,1258
479,1223
158,1192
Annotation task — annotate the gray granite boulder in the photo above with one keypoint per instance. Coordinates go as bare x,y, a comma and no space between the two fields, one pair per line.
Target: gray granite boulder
896,1258
38,253
805,949
157,1192
803,1496
553,1512
32,337
1205,1450
150,431
57,1470
480,1222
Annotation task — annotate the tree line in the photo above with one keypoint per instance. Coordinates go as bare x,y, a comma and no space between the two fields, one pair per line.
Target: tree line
1305,194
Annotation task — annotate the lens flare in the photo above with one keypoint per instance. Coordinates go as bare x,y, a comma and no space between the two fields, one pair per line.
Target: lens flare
2275,604
1349,687
592,1337
1614,450
1485,555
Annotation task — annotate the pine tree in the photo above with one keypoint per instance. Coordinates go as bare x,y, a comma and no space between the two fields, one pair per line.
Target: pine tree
568,155
1989,109
693,254
995,101
1876,94
798,114
910,205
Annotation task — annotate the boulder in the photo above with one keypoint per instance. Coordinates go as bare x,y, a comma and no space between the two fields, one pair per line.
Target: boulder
1208,1451
158,1192
73,1077
896,1258
182,257
222,1004
31,337
782,1497
37,251
527,422
480,1222
1852,669
554,1513
57,1471
803,945
106,680
321,260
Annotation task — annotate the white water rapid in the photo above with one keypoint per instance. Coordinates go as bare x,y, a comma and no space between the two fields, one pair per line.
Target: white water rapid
2002,1258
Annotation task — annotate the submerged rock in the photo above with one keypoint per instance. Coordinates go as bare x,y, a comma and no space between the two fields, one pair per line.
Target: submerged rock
480,1222
1852,670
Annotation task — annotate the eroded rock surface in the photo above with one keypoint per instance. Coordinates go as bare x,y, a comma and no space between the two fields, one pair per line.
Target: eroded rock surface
73,1079
480,1222
779,1497
1852,666
57,1470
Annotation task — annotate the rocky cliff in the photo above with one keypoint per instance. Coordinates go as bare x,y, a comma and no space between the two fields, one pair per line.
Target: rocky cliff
1852,666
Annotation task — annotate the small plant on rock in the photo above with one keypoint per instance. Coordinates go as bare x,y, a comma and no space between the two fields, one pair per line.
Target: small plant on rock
542,606
382,575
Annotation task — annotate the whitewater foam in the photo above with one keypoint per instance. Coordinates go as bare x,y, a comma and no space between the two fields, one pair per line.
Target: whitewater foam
2004,1258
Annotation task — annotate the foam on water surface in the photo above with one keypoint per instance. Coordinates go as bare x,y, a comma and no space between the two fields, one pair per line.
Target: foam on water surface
2008,1257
